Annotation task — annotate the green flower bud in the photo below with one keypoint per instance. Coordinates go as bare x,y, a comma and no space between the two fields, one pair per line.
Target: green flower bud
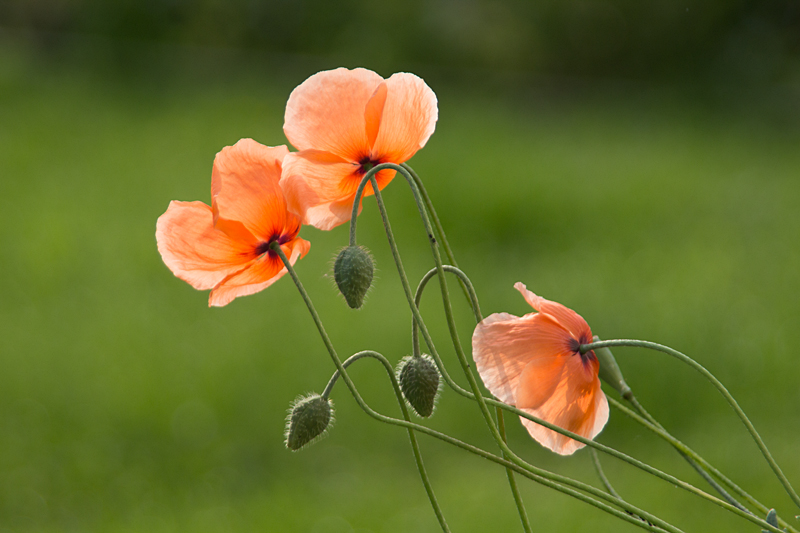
309,419
353,274
610,372
419,381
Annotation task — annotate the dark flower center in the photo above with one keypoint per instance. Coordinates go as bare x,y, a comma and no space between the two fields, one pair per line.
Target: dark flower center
575,346
366,164
264,247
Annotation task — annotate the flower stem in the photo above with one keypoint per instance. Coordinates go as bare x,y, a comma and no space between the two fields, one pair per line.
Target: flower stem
727,395
593,444
462,359
413,181
705,475
340,368
412,437
599,468
418,317
486,455
470,292
512,481
439,228
530,472
681,447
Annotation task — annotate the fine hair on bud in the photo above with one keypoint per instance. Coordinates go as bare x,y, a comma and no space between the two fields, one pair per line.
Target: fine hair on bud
420,382
309,419
353,272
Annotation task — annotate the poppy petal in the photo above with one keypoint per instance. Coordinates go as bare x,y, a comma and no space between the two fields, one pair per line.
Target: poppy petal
374,112
319,187
246,198
326,112
577,404
568,318
408,118
194,250
539,379
257,276
503,345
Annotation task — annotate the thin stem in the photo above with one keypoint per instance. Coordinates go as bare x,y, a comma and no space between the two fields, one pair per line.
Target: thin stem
369,177
530,472
415,309
340,368
486,455
727,395
512,482
481,401
414,445
438,225
470,293
595,445
346,363
432,211
681,447
699,469
599,468
602,475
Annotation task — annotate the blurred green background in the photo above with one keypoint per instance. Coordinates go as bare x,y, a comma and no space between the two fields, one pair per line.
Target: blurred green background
636,162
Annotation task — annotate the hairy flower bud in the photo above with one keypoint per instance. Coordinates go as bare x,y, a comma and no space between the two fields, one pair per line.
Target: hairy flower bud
353,274
419,381
309,418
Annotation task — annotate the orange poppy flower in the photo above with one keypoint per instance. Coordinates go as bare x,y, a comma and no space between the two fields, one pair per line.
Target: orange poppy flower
344,122
533,363
225,247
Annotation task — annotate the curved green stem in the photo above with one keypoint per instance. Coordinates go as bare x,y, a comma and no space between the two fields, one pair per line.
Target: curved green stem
275,247
465,366
432,211
603,479
737,509
720,387
681,447
438,225
531,472
593,444
602,475
370,177
477,451
412,437
699,469
512,481
470,292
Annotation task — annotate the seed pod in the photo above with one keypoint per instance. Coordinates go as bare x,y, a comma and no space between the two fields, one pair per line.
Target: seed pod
309,419
419,381
353,271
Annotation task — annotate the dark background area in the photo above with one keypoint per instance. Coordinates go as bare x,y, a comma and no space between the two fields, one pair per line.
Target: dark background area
714,41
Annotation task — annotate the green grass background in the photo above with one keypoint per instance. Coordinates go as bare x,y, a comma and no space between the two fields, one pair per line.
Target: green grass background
127,405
